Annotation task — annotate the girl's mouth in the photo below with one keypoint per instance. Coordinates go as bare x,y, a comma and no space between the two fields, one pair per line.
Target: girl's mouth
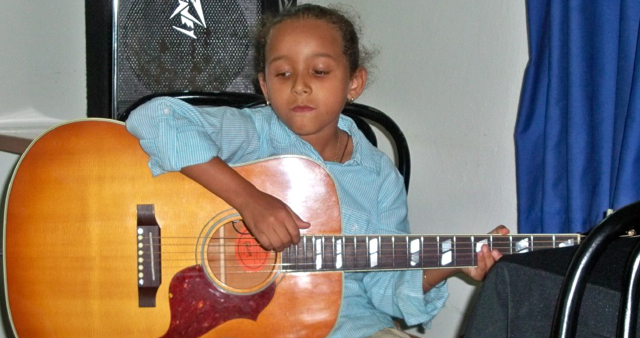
302,109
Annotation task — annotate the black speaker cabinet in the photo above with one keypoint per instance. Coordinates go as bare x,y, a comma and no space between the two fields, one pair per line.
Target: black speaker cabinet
140,47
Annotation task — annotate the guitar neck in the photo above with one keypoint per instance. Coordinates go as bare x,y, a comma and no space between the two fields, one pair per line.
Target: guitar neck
402,252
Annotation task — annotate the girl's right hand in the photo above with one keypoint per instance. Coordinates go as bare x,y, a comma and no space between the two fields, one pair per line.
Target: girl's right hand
274,225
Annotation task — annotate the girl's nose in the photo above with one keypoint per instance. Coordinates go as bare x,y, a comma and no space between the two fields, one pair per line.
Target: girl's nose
300,86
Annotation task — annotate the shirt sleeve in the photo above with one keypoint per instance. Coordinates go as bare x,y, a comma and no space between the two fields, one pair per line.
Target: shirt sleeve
175,134
400,293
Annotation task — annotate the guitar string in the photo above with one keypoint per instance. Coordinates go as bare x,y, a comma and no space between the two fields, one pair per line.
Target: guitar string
464,256
347,242
433,250
239,269
399,246
496,239
304,266
384,246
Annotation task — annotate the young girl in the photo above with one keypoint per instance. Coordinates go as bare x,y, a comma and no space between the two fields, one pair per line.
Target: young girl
308,66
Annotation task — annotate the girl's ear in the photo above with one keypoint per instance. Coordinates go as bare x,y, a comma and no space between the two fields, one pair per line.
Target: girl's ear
263,86
358,82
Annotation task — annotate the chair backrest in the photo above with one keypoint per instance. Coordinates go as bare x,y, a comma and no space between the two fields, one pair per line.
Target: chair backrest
364,116
625,221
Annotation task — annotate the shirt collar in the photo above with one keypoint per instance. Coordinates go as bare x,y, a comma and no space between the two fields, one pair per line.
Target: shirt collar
364,153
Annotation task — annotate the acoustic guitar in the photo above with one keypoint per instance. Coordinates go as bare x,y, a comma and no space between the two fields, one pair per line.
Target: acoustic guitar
96,247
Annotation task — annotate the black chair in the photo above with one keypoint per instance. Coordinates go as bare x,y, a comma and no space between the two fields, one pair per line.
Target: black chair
363,115
625,221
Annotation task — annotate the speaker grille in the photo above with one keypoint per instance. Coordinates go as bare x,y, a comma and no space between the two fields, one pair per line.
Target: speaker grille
172,46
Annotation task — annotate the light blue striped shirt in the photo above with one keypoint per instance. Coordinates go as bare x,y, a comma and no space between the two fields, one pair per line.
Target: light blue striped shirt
370,189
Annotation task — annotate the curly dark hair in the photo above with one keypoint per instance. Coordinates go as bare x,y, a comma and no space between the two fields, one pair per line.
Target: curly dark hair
349,32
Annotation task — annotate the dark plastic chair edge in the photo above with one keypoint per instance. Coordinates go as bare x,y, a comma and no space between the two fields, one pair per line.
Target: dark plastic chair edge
572,290
231,99
628,314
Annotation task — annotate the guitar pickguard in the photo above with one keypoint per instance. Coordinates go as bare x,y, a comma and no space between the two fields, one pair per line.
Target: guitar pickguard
197,306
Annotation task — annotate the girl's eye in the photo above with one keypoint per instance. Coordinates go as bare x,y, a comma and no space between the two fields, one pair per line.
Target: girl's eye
320,72
283,74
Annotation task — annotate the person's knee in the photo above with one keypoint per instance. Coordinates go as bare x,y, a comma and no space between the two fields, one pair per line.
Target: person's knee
391,333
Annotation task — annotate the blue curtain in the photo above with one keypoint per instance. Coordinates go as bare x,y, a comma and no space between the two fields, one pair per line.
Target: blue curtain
578,128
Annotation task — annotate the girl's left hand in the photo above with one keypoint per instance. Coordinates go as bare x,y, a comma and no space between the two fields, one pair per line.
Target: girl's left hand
486,257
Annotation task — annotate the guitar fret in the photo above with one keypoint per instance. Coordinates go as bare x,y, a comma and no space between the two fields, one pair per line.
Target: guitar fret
320,259
479,241
373,250
349,253
328,255
473,251
339,252
548,243
375,256
385,252
296,265
368,251
400,252
531,243
308,253
437,252
511,244
502,244
393,251
454,251
401,255
413,247
431,254
362,249
299,265
320,253
446,251
408,250
317,253
420,254
464,254
287,263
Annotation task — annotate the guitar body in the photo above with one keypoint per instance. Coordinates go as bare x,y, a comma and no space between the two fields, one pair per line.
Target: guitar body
72,251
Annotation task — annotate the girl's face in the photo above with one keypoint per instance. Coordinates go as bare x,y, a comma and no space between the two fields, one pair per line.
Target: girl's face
307,78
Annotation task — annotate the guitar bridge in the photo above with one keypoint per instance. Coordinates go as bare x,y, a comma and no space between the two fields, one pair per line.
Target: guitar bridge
148,258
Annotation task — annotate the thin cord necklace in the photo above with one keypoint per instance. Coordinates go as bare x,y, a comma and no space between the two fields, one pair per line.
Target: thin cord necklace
344,151
337,149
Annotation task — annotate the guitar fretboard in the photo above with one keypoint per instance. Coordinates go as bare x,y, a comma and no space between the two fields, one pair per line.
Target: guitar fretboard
401,252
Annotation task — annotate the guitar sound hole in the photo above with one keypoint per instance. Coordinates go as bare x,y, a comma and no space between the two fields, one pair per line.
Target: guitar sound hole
236,261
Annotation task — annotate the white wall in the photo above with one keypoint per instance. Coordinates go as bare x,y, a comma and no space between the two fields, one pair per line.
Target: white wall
449,72
42,65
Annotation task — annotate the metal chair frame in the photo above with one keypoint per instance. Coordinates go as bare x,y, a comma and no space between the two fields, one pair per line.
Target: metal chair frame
625,221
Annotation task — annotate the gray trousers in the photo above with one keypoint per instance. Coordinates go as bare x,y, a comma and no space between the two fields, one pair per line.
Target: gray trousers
519,295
